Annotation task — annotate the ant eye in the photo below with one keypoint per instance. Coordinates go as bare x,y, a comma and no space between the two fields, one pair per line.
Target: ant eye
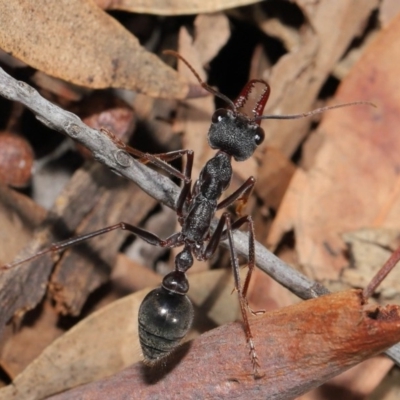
259,136
219,115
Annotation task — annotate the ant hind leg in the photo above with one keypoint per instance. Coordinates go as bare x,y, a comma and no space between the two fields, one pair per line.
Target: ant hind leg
148,237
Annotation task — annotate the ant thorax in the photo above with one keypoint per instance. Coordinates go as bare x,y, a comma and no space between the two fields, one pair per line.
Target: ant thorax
216,176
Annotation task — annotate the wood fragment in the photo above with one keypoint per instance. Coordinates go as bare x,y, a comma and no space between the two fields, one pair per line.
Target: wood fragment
335,331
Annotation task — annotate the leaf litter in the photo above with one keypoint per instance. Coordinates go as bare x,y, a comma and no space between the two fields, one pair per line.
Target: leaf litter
317,191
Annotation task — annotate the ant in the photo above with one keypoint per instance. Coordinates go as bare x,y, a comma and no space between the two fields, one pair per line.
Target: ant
166,313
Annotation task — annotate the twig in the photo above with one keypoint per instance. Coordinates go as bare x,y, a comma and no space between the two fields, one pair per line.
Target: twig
154,184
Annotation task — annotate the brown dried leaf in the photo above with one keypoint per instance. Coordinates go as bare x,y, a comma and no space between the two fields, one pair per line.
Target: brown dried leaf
172,7
101,344
389,389
19,216
84,268
298,76
211,34
78,42
267,294
275,173
369,248
299,347
22,346
354,181
66,92
356,383
388,10
128,275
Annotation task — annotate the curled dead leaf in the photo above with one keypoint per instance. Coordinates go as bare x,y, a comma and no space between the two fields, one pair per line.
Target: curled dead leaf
78,42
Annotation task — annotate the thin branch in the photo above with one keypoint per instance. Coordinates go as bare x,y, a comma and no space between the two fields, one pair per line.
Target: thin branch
154,184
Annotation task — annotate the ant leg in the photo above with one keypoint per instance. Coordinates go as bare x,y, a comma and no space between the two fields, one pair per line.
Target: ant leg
251,256
209,251
185,194
242,298
215,238
148,237
144,158
157,159
160,160
241,195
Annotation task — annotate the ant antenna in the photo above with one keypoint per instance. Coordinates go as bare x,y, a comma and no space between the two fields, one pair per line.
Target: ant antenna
204,85
313,112
239,102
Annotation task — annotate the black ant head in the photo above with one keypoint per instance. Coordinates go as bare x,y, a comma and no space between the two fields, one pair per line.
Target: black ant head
231,131
234,134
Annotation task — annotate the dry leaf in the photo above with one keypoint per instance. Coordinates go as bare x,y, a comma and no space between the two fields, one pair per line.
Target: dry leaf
21,346
298,76
101,344
19,216
275,173
388,10
78,42
211,34
389,389
356,383
354,181
172,7
369,248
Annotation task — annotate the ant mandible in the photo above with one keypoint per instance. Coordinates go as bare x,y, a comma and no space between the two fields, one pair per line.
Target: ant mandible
166,313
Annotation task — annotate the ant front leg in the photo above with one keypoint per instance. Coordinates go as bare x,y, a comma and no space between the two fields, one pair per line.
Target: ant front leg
148,237
241,195
160,160
220,234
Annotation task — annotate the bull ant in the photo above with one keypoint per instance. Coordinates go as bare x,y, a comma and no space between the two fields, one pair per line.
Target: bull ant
166,313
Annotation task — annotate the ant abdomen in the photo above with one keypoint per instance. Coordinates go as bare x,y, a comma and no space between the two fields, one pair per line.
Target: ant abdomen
164,319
